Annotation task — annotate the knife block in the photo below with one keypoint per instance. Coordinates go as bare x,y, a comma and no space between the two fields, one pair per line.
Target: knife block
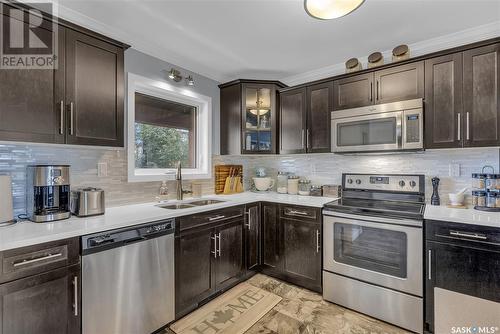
228,179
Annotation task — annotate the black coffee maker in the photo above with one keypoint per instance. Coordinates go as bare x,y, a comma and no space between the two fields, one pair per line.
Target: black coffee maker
47,193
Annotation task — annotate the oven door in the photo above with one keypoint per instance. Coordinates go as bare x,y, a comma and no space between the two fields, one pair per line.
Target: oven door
374,250
375,132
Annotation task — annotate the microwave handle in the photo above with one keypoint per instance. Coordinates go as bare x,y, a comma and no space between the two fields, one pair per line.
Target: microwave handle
400,125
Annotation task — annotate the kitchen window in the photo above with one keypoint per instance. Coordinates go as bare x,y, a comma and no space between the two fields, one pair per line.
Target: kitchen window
167,124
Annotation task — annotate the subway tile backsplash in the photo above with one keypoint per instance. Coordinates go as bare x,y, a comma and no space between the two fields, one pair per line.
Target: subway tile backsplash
320,168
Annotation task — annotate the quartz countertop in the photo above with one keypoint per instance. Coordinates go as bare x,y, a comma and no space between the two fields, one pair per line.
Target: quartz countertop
28,233
464,216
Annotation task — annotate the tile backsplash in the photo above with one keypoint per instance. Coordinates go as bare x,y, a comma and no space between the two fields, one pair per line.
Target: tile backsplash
320,168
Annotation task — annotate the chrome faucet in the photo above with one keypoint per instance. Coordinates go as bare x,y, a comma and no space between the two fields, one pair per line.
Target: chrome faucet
178,178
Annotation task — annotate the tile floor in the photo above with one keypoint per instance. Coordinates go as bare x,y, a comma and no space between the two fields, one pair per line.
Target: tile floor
304,312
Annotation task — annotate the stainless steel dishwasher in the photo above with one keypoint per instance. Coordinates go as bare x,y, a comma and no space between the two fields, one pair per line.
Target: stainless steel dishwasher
128,279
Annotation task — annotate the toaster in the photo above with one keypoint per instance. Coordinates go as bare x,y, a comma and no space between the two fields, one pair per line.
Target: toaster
87,202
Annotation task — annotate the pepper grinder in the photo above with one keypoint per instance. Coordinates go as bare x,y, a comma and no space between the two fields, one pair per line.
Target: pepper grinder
435,194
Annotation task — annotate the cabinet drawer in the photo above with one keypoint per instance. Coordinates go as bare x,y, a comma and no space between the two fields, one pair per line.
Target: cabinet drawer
302,212
210,217
31,260
463,234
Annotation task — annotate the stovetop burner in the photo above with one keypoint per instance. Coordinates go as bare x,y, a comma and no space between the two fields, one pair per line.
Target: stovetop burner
395,196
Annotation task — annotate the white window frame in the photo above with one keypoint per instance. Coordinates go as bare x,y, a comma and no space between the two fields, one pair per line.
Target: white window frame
164,90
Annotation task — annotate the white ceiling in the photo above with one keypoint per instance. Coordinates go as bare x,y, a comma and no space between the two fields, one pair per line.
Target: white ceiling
271,39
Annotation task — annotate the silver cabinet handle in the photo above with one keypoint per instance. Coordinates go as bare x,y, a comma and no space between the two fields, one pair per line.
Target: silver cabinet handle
248,224
71,109
214,238
75,291
295,212
468,235
308,139
303,139
458,126
429,276
216,217
468,131
371,91
61,124
219,243
317,241
38,259
377,90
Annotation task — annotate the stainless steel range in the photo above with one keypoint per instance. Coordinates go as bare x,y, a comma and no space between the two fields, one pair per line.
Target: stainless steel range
372,254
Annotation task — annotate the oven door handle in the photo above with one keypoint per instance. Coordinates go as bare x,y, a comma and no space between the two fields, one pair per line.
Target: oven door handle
383,220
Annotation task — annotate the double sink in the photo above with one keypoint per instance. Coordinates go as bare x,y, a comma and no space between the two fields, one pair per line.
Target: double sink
190,204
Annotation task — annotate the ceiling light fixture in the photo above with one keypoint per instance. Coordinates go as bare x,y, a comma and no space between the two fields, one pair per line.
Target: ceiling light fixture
330,9
190,81
176,76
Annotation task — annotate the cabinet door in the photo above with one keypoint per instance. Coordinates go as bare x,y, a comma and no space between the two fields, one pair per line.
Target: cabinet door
470,271
44,304
399,83
230,261
94,91
230,120
32,101
481,96
319,106
443,101
293,121
194,261
252,237
271,237
353,92
302,252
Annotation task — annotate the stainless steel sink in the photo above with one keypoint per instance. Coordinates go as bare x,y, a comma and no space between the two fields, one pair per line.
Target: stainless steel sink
205,202
176,206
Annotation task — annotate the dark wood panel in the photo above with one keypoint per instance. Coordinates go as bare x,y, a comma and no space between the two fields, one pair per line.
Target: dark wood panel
293,121
302,252
399,83
353,92
210,218
230,120
271,237
30,100
194,274
94,91
481,96
41,304
319,105
252,236
230,261
443,101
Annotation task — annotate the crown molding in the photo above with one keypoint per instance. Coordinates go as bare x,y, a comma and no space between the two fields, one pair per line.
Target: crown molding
471,35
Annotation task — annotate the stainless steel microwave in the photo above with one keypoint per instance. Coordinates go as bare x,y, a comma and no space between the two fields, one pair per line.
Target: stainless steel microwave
395,126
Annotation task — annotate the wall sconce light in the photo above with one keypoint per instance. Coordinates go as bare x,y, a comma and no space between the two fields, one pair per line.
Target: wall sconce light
176,76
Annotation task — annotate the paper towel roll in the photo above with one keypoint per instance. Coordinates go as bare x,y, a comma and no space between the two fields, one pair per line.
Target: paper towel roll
6,210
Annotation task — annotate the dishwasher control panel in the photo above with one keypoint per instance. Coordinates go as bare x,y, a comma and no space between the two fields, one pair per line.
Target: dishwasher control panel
111,239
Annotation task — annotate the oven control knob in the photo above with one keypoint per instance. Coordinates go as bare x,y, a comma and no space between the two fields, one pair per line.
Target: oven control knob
413,184
358,181
349,181
402,183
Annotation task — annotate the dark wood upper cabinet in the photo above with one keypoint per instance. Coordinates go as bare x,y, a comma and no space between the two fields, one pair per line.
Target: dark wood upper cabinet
252,236
32,101
271,237
443,101
482,96
353,92
399,83
79,102
248,117
94,91
319,107
293,120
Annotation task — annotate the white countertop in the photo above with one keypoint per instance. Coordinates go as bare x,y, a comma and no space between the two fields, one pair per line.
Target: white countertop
28,233
464,216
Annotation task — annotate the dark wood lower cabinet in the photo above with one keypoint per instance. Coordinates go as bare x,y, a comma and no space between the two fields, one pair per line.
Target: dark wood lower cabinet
302,253
271,237
229,265
252,236
42,304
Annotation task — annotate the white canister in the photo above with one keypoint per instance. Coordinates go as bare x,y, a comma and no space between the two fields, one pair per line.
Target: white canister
293,185
6,209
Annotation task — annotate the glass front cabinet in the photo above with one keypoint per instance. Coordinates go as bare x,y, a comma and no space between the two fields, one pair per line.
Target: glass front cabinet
248,118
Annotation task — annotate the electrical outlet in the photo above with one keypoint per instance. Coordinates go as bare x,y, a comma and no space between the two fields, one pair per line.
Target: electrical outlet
102,169
454,170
